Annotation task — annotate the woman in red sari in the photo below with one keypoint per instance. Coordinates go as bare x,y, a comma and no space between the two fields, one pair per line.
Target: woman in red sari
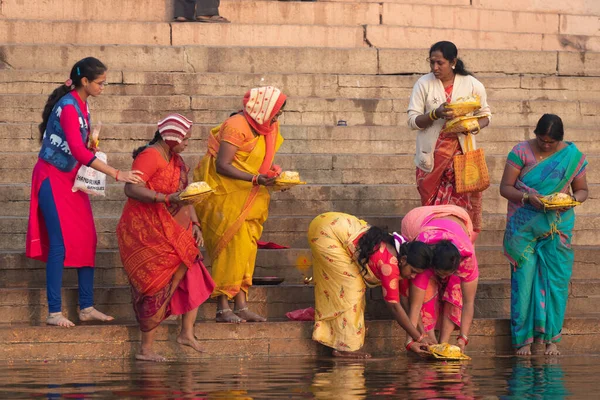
159,236
427,113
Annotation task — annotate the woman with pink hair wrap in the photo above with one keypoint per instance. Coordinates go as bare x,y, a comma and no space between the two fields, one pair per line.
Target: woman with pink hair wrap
239,166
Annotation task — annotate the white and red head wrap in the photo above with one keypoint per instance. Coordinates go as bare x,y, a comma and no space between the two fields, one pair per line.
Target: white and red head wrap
260,106
173,129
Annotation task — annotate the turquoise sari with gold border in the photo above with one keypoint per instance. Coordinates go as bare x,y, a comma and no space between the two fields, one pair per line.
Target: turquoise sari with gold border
538,245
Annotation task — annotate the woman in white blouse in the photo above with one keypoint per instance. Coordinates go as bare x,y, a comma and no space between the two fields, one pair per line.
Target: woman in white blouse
427,112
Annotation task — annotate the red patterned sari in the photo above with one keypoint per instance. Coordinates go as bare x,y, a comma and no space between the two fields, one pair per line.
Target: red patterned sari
157,246
438,187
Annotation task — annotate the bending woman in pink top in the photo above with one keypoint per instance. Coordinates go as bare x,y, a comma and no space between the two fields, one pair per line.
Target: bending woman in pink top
448,290
61,230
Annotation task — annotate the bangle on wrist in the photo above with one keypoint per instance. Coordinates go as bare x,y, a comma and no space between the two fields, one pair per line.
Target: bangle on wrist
255,180
196,223
117,176
410,341
167,201
462,337
525,198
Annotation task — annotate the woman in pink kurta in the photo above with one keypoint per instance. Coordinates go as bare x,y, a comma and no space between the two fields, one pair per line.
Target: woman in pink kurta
447,290
61,229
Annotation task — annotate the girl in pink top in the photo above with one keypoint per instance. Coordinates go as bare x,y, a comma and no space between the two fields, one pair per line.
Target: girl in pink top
61,229
449,288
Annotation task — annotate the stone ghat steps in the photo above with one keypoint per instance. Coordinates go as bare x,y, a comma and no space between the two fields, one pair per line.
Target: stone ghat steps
300,111
310,60
463,15
329,86
294,34
28,305
272,339
291,264
291,230
303,200
316,169
356,139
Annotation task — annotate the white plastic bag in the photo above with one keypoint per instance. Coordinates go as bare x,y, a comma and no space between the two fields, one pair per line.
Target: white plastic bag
89,180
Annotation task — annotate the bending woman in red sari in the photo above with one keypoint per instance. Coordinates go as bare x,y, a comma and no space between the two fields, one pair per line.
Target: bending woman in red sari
159,236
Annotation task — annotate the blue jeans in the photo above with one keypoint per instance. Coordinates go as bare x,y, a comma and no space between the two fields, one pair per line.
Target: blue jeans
56,257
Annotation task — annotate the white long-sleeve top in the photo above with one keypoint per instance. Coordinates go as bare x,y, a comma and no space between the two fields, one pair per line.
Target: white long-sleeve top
428,94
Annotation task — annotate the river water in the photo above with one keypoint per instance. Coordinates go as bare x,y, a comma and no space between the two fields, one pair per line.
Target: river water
484,377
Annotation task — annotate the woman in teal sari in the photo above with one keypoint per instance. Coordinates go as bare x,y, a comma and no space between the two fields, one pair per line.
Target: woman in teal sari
538,243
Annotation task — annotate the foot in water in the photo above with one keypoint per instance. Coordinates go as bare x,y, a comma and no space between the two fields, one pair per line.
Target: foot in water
249,315
57,319
351,354
91,314
552,350
228,316
191,342
149,355
524,351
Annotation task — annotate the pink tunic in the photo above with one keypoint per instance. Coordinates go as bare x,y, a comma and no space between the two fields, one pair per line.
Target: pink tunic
74,208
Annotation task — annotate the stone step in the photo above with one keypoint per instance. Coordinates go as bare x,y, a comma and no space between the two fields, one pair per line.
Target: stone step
311,60
291,230
291,264
314,168
300,111
407,13
28,305
23,31
504,87
355,139
270,339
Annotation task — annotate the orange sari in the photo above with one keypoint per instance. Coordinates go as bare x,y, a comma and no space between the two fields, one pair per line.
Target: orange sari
157,247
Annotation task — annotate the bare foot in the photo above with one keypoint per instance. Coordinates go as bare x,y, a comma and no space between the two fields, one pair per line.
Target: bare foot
57,319
149,355
249,315
351,354
552,350
524,351
91,314
228,316
193,343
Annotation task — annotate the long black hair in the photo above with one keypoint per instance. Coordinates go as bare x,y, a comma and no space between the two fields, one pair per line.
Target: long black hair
418,254
445,256
450,53
90,68
155,139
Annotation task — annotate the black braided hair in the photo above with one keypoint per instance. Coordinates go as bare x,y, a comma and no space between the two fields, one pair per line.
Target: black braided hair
155,139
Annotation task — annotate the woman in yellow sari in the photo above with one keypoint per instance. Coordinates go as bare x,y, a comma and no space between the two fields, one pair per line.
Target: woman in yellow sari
238,166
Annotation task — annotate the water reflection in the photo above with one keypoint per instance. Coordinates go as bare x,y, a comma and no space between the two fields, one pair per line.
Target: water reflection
296,378
537,378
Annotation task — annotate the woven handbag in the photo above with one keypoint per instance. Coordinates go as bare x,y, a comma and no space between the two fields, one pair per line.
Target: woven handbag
470,169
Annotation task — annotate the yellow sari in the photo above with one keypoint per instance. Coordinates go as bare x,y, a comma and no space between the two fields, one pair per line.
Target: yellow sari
340,285
232,217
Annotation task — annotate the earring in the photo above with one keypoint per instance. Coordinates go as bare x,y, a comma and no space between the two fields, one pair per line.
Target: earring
453,66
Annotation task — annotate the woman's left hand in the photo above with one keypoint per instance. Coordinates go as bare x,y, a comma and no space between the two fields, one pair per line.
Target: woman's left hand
197,232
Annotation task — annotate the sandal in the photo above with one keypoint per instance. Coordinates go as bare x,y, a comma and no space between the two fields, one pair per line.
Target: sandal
213,19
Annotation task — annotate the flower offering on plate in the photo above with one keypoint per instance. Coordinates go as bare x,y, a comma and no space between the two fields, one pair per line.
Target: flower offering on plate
559,200
447,351
288,179
196,192
465,105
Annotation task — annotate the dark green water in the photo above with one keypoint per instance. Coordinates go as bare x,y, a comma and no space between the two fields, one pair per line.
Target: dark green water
576,377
